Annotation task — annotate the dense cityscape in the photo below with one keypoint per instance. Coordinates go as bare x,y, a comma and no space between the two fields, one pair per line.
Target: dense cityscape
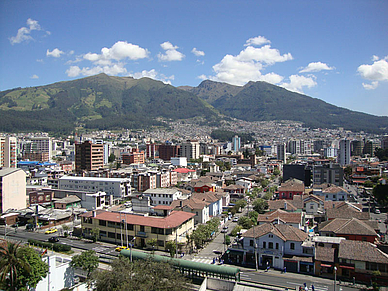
265,197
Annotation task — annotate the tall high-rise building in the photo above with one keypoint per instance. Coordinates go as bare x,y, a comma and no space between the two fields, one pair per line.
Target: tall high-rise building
38,148
168,151
89,156
236,143
190,149
384,142
344,152
8,152
281,152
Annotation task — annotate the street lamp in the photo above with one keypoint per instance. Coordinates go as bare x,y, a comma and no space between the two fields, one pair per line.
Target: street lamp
335,276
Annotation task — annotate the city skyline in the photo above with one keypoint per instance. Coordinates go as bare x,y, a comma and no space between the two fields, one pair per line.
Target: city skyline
332,51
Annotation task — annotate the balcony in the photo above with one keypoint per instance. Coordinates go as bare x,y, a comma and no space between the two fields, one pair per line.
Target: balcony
141,234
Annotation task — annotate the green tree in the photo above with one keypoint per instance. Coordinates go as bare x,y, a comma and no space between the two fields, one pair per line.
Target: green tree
260,205
95,232
87,261
227,240
368,184
111,158
65,228
382,154
139,275
264,183
39,269
152,242
253,215
276,172
245,222
11,262
171,247
380,192
236,230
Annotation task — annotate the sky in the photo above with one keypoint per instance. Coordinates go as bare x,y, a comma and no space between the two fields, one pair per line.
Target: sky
336,51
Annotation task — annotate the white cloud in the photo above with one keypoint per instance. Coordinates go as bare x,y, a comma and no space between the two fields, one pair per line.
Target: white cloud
24,32
316,67
376,72
34,77
371,86
56,53
257,41
198,53
297,83
119,51
171,53
247,66
114,69
153,74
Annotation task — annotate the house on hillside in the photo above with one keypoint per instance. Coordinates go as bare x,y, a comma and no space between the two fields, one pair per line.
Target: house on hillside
295,219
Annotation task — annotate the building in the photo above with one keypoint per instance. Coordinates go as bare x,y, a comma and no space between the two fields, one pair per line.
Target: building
38,148
163,196
295,219
8,152
12,189
281,152
135,156
278,246
297,171
236,143
344,152
328,174
118,188
89,156
190,150
168,151
123,228
290,188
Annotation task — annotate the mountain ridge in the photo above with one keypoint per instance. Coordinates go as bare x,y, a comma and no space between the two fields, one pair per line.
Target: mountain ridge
111,102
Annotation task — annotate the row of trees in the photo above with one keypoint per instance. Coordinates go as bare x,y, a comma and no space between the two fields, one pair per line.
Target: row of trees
203,233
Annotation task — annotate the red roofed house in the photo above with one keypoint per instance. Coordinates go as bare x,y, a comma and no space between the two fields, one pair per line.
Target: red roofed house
290,188
121,228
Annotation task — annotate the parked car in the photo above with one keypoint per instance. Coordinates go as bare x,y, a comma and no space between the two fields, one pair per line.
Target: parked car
235,219
377,211
53,239
51,230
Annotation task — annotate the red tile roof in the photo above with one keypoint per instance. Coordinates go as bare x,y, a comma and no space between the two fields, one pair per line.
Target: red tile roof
175,219
183,170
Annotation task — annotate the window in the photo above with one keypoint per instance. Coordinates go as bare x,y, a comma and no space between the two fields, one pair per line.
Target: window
130,226
111,235
168,231
102,233
142,228
251,243
160,243
264,245
270,245
277,246
102,222
292,246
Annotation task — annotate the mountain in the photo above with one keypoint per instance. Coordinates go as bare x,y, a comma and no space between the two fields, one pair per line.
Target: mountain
106,102
261,101
98,102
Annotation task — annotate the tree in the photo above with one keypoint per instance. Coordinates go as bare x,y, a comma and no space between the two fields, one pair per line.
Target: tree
95,232
87,261
11,261
152,242
139,275
111,158
382,154
39,269
245,222
264,183
260,205
276,172
65,228
380,192
253,215
171,247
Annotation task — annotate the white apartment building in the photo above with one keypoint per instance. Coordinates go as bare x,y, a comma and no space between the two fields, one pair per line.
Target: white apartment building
163,196
190,149
116,187
344,152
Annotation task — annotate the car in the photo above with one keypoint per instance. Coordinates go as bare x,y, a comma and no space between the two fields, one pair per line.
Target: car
235,219
377,211
53,239
225,229
52,230
119,249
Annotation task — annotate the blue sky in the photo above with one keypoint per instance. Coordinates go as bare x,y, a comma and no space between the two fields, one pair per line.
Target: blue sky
336,51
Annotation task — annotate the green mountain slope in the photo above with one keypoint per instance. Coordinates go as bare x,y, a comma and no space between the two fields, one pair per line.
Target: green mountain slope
261,101
99,101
